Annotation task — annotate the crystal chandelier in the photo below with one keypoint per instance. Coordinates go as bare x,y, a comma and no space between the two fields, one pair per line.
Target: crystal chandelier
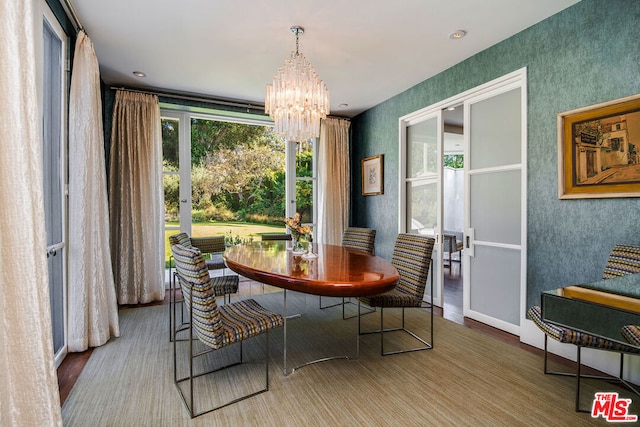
297,99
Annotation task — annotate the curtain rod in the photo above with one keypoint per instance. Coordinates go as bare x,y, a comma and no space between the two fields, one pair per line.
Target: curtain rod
72,12
195,98
201,99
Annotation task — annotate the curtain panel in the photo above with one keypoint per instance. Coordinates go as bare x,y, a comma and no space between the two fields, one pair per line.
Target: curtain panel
28,381
93,309
136,199
334,178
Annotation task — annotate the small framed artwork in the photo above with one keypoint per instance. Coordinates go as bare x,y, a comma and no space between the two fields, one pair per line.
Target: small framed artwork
373,175
599,150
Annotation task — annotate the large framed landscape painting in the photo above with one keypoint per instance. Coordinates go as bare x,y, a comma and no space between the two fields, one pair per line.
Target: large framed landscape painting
599,150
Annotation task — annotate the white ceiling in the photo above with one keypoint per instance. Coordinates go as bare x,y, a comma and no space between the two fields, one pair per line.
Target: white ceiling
366,51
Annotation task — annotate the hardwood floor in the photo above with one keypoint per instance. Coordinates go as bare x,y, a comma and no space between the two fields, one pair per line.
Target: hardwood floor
73,364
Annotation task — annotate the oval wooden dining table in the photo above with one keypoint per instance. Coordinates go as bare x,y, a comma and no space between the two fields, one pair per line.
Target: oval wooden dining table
335,271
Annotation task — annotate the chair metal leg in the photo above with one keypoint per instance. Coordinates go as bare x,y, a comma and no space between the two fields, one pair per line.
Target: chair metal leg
329,306
190,405
578,380
579,376
368,310
426,345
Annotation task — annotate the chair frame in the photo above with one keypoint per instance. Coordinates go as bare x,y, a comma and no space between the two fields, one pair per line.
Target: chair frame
610,271
620,379
177,381
275,237
189,403
427,345
451,246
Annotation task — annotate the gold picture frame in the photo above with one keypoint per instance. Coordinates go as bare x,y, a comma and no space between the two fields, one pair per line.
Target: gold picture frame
373,175
599,150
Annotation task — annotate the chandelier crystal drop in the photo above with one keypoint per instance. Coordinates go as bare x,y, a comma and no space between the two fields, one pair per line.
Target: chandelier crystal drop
297,99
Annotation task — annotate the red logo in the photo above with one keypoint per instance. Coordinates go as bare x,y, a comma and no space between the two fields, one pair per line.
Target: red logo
611,408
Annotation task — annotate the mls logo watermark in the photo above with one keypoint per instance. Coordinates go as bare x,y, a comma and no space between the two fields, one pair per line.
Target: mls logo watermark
612,408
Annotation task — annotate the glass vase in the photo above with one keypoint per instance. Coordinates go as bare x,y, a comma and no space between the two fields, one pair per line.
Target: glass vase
297,245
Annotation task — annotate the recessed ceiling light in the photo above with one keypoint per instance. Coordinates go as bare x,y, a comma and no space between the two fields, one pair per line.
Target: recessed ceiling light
458,34
139,74
343,105
451,108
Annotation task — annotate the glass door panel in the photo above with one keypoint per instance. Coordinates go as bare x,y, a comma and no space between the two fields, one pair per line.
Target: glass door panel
170,171
304,200
493,253
176,187
423,189
301,178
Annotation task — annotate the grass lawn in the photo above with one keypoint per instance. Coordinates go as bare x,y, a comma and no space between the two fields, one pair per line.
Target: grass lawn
243,229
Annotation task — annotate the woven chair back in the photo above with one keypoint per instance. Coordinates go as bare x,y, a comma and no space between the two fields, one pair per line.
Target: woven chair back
359,238
624,259
412,258
193,276
180,239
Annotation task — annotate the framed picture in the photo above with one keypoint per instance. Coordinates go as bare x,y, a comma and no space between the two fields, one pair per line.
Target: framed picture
373,175
599,150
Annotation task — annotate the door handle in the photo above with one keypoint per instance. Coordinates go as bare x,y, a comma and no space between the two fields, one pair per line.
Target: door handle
470,237
183,201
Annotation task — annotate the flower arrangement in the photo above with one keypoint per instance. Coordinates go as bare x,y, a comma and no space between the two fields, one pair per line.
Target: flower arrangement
296,228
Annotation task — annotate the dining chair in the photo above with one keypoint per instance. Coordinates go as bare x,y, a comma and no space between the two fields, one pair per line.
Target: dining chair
275,236
361,239
623,260
216,327
223,285
452,243
211,246
412,258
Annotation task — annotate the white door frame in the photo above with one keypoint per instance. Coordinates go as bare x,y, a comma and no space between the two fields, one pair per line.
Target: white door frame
58,249
291,179
184,167
518,78
437,259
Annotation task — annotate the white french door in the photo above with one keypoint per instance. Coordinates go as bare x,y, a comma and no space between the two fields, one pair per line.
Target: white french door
421,146
54,89
301,181
495,210
176,171
494,255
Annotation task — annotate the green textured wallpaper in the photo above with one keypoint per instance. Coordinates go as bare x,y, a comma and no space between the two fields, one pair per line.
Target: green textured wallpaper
584,55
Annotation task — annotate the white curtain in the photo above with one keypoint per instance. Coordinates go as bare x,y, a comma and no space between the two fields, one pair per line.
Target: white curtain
136,199
334,180
93,309
28,383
